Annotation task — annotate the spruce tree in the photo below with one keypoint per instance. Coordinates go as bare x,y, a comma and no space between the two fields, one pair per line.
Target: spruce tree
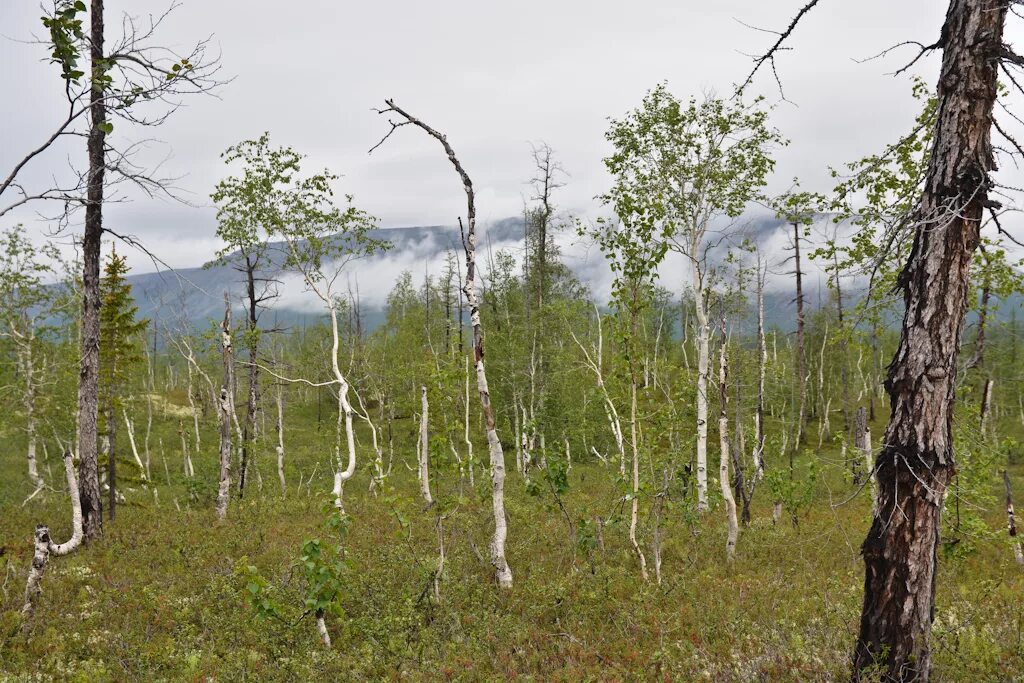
120,353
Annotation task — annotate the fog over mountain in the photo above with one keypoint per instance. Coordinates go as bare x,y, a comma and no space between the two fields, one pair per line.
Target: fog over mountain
194,295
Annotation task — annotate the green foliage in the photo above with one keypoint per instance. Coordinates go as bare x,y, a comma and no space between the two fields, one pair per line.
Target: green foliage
120,331
66,35
795,493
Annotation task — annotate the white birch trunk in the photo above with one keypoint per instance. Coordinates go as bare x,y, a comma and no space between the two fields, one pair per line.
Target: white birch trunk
280,442
762,361
321,628
225,411
723,466
465,435
703,362
635,498
423,451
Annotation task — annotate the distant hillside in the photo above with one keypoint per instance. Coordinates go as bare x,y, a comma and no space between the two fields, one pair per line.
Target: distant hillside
195,295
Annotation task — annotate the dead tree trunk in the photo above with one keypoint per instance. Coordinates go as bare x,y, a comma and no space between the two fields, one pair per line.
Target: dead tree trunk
44,545
503,573
916,461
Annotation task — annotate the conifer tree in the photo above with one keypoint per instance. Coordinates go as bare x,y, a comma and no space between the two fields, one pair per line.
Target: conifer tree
120,353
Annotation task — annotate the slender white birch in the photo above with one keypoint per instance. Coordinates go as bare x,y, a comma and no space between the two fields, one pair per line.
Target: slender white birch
423,450
724,480
678,168
225,411
503,573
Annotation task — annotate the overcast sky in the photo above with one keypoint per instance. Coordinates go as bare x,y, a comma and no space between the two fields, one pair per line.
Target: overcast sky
493,76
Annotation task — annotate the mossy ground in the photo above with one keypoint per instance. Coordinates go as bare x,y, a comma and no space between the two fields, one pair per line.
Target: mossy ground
163,595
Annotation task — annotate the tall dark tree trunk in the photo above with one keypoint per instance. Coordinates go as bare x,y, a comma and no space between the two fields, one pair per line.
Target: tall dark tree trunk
252,399
916,461
88,378
801,345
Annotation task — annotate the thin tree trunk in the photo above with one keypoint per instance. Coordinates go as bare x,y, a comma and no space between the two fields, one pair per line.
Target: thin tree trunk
844,374
703,363
252,397
423,450
111,464
1011,525
762,362
280,442
634,507
29,403
225,408
986,407
465,435
801,344
723,443
916,461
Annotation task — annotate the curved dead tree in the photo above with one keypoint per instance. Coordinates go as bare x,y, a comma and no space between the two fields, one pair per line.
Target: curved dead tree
44,545
502,572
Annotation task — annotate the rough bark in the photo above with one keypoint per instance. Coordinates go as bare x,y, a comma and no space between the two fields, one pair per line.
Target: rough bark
88,378
916,461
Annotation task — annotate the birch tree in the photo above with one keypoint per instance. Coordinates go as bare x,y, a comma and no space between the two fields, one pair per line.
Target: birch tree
632,254
274,199
25,303
685,170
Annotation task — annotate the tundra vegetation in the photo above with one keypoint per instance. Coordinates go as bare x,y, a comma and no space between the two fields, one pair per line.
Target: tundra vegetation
508,476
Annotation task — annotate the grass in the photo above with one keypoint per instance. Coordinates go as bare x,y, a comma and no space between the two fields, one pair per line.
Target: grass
163,595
